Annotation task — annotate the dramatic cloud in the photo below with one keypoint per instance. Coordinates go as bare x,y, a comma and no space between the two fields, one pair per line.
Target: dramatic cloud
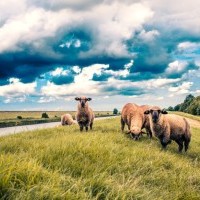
181,89
17,91
58,49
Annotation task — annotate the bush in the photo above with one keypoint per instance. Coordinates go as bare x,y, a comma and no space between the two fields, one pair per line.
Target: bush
19,117
177,107
170,108
115,111
45,115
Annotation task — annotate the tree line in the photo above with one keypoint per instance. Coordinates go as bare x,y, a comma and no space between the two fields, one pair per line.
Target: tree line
190,105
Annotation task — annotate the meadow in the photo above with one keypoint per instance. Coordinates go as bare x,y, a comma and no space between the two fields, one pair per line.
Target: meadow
183,114
9,118
5,115
62,163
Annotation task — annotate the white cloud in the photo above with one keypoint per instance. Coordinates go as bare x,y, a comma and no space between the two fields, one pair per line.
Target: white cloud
84,88
117,23
182,15
17,89
158,83
76,69
114,22
176,67
8,10
76,44
159,98
83,83
188,46
46,99
13,80
88,72
196,92
129,65
59,71
124,72
148,36
31,25
181,89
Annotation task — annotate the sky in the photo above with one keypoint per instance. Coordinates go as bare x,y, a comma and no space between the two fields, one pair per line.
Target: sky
138,51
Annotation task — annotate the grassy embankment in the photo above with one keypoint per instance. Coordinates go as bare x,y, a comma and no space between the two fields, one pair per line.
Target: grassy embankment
9,118
195,117
62,163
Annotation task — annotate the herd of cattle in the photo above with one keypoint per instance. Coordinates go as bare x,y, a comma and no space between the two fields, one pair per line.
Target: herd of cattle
153,119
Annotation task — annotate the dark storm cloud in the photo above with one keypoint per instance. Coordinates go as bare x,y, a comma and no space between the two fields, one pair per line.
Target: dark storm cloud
24,66
102,77
126,91
31,62
60,80
71,44
153,57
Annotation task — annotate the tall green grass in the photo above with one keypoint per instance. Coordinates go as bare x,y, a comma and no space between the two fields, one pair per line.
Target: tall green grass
62,163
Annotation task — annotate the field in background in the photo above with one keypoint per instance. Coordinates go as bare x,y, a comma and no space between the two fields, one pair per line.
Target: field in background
62,163
37,114
9,118
195,117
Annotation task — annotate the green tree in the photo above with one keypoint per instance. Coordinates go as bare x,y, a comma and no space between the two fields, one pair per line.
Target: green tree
177,107
170,108
115,111
184,106
190,105
194,106
45,115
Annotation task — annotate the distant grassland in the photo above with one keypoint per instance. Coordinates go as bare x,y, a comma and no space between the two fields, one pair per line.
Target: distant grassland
195,117
9,118
38,114
62,163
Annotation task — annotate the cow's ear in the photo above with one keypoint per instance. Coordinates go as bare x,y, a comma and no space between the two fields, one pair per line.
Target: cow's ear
164,112
77,99
89,99
146,112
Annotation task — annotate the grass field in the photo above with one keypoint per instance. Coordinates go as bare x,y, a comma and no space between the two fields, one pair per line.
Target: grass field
62,163
195,117
4,115
9,118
